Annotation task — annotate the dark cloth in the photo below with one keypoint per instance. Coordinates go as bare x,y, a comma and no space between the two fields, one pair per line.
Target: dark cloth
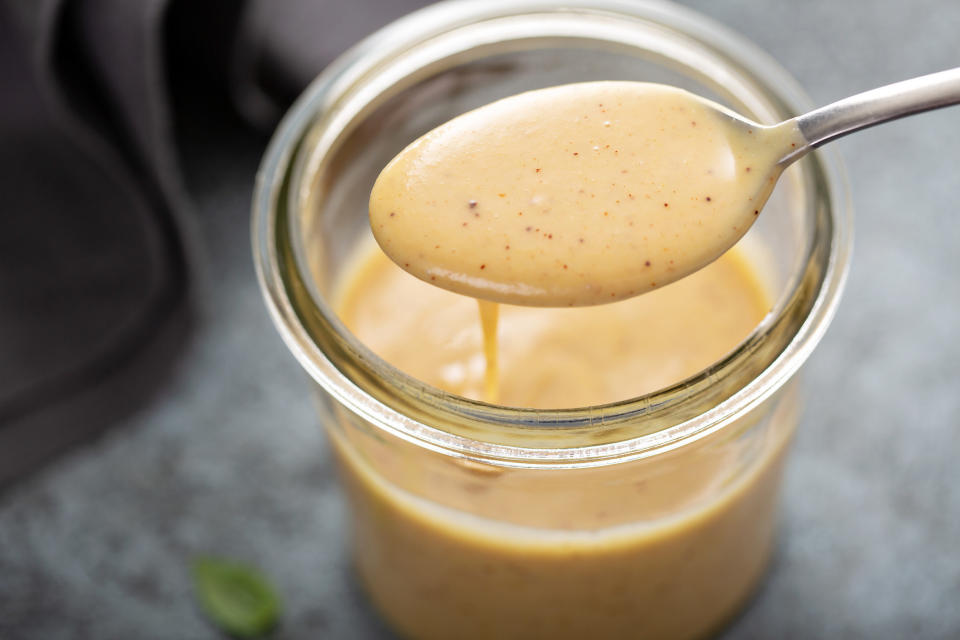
97,250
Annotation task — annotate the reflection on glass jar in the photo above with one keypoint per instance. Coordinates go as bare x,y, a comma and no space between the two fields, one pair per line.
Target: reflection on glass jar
649,517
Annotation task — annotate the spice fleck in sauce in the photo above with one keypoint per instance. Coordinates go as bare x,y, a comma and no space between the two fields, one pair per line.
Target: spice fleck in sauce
575,195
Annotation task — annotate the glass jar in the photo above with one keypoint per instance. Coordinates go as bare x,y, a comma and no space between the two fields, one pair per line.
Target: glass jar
649,517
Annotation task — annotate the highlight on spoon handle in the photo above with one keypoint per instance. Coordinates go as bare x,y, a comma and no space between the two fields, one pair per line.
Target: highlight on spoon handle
880,105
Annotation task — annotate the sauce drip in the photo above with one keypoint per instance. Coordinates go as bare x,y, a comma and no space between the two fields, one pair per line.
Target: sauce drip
489,316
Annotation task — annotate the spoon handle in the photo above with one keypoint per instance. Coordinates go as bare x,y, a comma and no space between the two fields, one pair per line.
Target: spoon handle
880,105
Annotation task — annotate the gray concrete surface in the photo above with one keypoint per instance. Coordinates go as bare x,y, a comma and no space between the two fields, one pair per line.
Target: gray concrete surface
226,457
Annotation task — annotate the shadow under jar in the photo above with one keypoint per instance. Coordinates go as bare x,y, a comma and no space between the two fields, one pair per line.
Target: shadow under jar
652,517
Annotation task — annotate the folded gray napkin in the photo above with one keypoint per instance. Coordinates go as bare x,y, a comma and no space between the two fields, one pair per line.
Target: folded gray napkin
95,249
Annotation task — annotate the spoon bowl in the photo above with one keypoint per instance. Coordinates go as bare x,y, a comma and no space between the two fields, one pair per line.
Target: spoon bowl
595,192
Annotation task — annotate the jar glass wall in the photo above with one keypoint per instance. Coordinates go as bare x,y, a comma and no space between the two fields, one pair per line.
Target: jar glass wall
651,516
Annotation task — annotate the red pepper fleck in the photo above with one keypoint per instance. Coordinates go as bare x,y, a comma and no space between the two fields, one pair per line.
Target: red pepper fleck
549,236
538,170
666,204
529,229
464,224
433,277
483,266
647,263
756,212
564,266
693,123
748,169
708,198
406,264
472,204
575,153
507,247
581,240
393,213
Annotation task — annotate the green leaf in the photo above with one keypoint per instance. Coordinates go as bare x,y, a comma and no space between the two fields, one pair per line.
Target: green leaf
238,598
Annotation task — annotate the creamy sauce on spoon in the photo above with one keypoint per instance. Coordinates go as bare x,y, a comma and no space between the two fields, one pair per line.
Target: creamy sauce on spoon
576,195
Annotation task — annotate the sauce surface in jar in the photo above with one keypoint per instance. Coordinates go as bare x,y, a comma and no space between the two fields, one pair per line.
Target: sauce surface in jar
554,358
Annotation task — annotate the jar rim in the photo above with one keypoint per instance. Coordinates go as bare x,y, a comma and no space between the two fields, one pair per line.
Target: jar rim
278,269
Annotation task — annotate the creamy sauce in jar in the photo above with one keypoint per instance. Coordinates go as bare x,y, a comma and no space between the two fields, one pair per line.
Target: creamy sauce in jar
660,548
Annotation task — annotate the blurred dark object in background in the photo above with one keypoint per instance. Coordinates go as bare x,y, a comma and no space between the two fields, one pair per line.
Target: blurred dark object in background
102,99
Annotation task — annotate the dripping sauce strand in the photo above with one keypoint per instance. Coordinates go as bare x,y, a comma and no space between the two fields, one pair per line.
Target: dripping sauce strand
489,316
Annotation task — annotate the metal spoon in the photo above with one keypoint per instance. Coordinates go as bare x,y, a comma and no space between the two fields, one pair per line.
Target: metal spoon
448,208
876,106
